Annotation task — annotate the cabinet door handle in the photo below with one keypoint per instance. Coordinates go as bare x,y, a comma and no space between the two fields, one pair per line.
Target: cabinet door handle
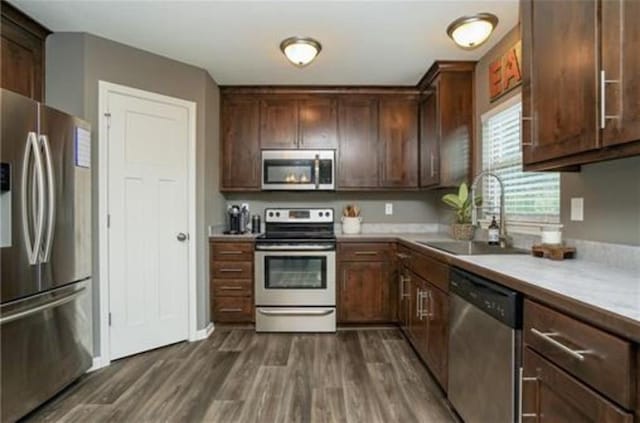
230,270
231,288
548,337
418,305
530,120
432,164
230,310
603,94
402,256
230,253
521,380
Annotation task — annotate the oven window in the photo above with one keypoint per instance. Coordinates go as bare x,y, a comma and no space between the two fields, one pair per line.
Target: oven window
288,171
306,272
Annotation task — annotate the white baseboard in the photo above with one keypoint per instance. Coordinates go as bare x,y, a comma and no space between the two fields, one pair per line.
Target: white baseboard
204,333
98,363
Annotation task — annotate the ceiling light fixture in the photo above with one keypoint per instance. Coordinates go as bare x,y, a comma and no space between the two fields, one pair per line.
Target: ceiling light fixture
470,32
300,50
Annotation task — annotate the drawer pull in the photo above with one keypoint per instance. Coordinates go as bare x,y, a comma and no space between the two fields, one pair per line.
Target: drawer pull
231,288
230,310
230,270
366,253
402,256
548,336
229,253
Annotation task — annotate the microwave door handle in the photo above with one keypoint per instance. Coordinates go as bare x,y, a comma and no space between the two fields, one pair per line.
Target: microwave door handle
317,170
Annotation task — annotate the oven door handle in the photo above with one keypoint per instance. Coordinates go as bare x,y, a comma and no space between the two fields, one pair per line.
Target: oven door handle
313,247
295,312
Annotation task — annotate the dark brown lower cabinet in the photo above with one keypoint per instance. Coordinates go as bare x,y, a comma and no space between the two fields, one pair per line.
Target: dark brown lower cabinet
551,395
437,316
425,321
231,286
363,292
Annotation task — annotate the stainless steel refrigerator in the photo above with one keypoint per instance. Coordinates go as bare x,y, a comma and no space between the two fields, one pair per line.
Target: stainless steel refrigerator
45,253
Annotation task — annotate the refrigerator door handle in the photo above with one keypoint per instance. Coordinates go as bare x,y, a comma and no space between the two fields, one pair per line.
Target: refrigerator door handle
32,246
51,200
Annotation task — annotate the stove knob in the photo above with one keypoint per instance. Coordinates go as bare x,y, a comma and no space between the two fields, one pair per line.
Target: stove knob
277,214
320,214
270,214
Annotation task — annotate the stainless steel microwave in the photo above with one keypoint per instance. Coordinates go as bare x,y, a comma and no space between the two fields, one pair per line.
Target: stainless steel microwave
308,170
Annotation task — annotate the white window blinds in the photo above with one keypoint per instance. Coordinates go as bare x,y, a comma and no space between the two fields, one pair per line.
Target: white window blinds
529,196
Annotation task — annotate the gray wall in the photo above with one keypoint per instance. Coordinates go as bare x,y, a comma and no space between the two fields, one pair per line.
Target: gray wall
75,64
408,207
611,190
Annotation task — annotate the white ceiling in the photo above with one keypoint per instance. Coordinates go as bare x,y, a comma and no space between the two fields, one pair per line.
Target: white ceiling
364,42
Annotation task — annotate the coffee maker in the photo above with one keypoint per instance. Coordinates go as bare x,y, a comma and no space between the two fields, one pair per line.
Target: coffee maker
237,219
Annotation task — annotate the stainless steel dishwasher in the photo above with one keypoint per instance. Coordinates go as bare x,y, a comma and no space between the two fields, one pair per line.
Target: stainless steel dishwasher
484,349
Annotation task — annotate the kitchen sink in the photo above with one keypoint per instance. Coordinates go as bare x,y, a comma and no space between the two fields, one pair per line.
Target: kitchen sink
471,247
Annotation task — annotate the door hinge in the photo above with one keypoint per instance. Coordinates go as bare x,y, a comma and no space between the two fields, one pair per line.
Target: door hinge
108,221
109,318
108,116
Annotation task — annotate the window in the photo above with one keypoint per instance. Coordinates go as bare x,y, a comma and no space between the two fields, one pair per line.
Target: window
529,196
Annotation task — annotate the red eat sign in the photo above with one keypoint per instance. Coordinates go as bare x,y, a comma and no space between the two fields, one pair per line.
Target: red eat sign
504,72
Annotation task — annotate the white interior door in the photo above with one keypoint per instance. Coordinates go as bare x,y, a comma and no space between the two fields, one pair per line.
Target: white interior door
148,144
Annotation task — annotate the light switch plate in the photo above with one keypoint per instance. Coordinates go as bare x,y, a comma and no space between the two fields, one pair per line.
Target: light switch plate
577,209
388,209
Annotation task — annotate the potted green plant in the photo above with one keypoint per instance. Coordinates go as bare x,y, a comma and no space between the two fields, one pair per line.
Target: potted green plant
461,203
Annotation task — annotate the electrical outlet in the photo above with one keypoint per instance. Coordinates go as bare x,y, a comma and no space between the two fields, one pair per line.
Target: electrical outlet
388,209
577,209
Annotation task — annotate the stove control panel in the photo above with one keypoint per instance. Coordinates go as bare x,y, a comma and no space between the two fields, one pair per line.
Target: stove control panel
298,215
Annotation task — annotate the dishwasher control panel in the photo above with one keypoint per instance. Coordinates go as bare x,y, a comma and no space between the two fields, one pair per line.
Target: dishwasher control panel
496,300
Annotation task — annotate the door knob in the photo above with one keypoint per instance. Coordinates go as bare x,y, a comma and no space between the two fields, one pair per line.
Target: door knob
182,237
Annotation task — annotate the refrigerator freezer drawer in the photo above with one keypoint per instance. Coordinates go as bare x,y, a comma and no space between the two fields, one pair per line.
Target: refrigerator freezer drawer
46,343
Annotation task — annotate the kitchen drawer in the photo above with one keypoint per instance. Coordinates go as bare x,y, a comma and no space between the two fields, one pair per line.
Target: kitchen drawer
232,251
601,360
430,269
365,251
232,287
232,270
232,309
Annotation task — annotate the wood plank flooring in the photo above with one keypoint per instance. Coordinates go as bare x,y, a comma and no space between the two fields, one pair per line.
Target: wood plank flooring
239,376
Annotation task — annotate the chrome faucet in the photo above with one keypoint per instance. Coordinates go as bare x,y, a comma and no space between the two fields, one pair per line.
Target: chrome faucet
504,238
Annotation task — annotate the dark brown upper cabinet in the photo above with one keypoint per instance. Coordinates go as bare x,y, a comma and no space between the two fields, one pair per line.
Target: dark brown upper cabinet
581,82
318,123
446,124
621,62
398,141
279,123
307,123
357,161
240,144
23,53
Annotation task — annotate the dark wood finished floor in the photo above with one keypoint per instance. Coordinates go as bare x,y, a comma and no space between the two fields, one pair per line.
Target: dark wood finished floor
239,376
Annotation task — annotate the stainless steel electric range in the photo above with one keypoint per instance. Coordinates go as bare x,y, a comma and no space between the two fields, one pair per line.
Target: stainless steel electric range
295,272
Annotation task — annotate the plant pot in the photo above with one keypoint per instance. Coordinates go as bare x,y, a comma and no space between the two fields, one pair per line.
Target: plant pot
463,231
351,225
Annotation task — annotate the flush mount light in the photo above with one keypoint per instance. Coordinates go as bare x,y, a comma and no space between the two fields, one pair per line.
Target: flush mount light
470,32
300,50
